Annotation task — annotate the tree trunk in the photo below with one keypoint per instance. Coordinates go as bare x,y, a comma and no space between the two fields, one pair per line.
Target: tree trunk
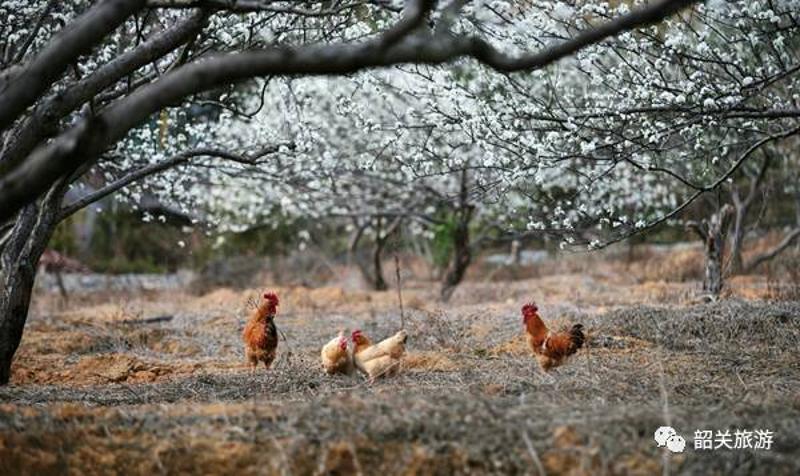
14,305
373,272
713,232
712,280
379,282
462,254
461,258
741,208
19,259
515,255
736,264
714,251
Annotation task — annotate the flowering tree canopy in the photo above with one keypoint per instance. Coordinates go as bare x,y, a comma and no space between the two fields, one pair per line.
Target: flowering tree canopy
619,138
191,71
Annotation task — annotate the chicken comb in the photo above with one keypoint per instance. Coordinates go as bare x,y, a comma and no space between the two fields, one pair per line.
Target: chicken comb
271,297
355,334
529,308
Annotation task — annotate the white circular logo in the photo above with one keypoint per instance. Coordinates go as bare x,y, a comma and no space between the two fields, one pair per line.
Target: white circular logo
663,434
676,443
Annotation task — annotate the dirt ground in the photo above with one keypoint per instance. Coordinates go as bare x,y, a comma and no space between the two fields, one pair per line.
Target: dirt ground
96,389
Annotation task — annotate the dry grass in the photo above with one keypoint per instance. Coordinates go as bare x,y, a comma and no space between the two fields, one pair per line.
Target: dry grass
95,394
679,266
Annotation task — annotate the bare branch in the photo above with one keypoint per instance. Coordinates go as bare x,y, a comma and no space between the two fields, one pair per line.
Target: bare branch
677,210
652,13
152,169
252,6
20,55
414,16
775,251
698,228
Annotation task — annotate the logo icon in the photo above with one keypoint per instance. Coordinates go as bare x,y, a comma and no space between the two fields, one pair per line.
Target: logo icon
667,436
676,444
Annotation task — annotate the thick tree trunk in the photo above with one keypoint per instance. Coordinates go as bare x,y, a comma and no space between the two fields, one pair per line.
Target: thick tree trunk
715,250
14,305
713,233
19,259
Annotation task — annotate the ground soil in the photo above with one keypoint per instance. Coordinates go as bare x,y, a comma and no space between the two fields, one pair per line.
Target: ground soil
99,389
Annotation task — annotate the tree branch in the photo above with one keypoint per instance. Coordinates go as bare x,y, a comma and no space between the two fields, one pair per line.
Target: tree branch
47,115
31,178
252,6
778,249
652,13
20,54
153,169
414,16
698,228
82,35
675,211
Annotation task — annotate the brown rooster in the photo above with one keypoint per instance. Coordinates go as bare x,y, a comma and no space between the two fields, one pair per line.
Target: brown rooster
260,335
550,348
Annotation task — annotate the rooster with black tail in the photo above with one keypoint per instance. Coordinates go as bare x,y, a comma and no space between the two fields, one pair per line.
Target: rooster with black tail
550,348
260,335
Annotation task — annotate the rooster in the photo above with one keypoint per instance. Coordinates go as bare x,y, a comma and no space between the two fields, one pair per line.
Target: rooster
335,356
381,359
260,335
550,348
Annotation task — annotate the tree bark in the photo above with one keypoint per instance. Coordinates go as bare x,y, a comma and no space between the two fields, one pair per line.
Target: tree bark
461,259
736,263
712,279
19,260
715,231
462,252
14,305
379,282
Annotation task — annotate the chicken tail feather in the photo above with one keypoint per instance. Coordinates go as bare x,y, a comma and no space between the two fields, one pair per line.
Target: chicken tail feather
577,336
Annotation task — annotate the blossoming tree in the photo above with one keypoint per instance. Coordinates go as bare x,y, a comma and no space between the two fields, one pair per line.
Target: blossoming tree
626,136
78,77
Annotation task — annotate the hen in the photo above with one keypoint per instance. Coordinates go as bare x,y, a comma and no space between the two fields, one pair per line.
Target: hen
260,335
381,359
335,356
550,348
